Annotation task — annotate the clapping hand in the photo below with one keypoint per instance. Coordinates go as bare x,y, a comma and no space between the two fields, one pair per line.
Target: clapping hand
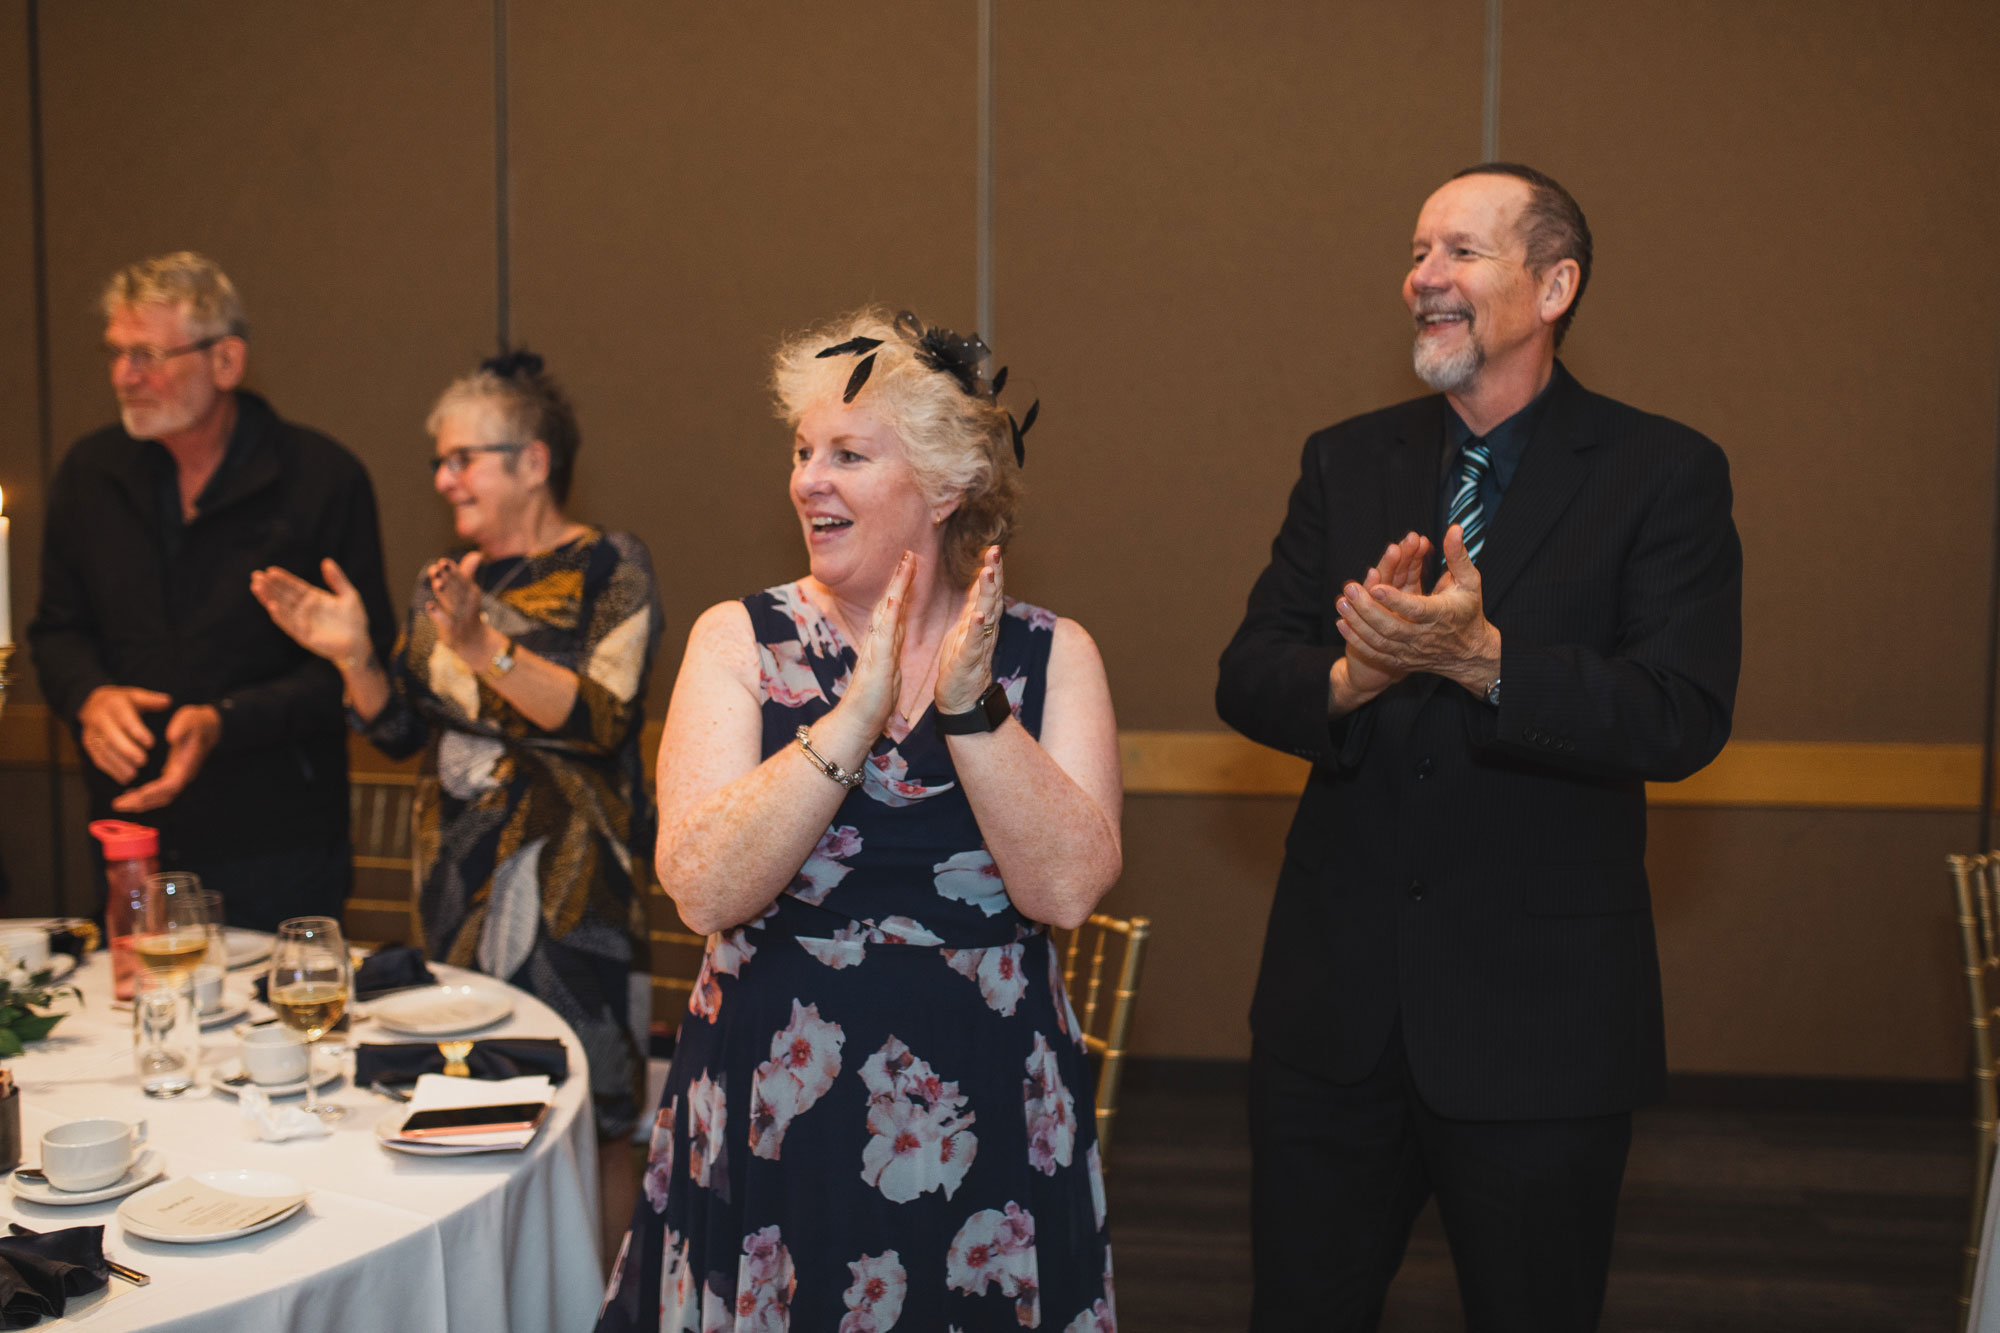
113,737
965,659
1445,632
1402,568
455,602
329,622
191,733
876,685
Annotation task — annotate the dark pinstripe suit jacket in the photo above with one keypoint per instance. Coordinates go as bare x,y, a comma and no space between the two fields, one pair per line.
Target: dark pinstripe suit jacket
1481,872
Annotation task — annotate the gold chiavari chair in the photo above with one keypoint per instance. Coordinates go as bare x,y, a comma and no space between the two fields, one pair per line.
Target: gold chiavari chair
1105,952
1976,886
676,959
384,905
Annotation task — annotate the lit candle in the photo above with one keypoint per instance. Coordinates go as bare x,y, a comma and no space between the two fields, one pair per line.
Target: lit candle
6,602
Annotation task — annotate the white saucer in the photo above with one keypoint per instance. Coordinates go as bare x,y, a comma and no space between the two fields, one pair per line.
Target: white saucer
437,1011
233,1066
149,1167
257,1184
244,947
385,1132
231,1010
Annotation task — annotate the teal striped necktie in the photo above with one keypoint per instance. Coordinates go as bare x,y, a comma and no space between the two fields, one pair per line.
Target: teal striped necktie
1475,460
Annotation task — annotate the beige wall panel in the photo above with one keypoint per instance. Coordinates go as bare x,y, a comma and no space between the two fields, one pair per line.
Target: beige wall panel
336,159
1204,216
690,182
1783,200
1817,943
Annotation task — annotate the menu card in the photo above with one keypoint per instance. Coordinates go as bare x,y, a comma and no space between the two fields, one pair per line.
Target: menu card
188,1207
440,1092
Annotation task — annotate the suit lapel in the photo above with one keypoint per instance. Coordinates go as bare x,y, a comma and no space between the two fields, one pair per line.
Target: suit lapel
1554,464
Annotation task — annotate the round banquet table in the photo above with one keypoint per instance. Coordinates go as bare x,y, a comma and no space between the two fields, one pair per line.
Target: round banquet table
497,1241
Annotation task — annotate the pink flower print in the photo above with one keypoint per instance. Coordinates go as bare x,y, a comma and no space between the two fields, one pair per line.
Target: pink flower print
785,677
995,1248
902,930
971,877
725,955
1036,617
679,1297
914,1150
1050,1110
823,869
1097,1319
886,777
875,1301
1002,980
805,1060
660,1156
765,1282
1095,1164
815,630
1016,687
708,1112
846,948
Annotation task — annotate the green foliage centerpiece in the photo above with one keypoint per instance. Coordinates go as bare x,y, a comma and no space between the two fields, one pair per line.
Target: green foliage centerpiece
20,999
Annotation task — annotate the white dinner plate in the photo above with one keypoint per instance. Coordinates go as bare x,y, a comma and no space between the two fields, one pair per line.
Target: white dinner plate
386,1130
257,1184
244,947
437,1011
149,1167
230,1068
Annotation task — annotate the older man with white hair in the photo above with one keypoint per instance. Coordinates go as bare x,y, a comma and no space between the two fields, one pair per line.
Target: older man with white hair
194,713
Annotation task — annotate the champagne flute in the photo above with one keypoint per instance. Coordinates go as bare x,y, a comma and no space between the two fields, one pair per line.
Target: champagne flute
173,936
309,980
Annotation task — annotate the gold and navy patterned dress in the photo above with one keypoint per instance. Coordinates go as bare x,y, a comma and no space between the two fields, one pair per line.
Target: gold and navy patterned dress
526,839
879,1112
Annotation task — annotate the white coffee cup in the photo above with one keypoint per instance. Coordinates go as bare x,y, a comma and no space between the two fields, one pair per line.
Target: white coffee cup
90,1154
25,949
207,988
273,1055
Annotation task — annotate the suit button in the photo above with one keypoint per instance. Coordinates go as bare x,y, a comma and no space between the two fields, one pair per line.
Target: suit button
1425,768
1416,890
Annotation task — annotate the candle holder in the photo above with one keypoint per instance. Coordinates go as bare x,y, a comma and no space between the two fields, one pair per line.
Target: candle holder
6,659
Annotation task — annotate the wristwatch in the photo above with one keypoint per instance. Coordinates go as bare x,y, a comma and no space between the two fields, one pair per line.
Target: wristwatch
985,715
1493,692
502,663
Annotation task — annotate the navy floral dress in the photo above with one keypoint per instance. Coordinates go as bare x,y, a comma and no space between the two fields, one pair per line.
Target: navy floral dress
879,1114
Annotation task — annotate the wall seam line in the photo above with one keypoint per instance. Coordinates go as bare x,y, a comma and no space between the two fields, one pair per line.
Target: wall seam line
1489,129
983,227
502,296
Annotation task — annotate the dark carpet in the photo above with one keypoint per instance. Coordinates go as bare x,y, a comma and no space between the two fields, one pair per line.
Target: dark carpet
1772,1206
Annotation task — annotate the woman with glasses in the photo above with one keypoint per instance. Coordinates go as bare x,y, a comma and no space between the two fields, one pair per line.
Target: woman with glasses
520,673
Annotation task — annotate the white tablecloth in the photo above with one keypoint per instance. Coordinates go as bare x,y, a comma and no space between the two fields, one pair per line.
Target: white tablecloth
499,1241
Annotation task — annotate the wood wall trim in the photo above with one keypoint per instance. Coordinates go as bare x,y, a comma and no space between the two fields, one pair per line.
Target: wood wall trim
1833,775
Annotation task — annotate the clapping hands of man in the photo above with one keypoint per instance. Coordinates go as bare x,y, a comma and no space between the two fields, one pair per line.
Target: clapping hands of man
1393,628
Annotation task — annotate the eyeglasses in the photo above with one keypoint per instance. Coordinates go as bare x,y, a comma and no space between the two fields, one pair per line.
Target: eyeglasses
458,460
144,359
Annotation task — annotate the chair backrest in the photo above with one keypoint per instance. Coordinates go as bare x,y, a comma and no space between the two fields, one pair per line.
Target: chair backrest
1975,882
384,904
676,956
1100,964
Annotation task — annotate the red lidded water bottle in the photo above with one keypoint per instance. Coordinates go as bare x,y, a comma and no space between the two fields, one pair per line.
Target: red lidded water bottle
131,853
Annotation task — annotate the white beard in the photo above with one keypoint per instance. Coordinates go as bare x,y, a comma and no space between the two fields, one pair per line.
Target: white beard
157,421
1449,372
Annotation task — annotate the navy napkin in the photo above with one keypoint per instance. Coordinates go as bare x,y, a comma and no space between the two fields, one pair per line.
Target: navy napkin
494,1058
38,1274
392,967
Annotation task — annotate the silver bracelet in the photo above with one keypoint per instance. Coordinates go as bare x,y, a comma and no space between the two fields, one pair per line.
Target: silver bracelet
827,766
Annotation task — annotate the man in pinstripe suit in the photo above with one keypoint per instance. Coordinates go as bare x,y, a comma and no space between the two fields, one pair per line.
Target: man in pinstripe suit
1491,616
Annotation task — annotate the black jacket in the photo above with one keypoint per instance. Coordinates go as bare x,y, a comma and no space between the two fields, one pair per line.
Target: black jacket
118,608
1480,872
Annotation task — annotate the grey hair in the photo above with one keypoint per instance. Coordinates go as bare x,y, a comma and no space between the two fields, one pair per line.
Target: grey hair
193,282
959,444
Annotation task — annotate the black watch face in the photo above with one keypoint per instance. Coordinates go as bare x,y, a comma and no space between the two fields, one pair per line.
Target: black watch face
994,704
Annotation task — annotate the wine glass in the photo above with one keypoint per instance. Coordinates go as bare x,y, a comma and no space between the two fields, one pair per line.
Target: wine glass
308,987
173,936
